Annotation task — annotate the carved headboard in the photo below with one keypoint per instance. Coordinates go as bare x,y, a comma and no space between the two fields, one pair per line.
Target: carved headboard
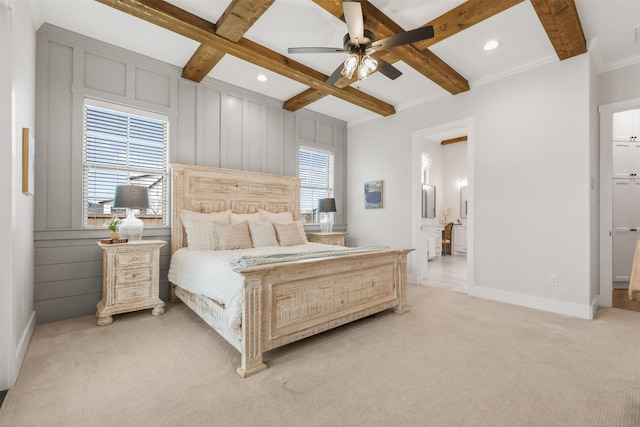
207,189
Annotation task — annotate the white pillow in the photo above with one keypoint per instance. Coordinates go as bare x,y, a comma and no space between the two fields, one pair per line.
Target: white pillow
290,233
237,218
200,228
233,236
262,234
275,217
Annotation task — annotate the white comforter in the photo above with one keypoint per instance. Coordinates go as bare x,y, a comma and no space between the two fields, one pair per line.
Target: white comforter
208,273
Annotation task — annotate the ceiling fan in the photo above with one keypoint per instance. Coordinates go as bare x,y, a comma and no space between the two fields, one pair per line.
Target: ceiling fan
360,44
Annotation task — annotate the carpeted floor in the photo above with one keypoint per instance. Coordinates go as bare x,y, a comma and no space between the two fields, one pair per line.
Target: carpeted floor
453,360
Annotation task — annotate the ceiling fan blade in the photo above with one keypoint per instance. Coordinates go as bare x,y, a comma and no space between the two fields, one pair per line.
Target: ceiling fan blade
315,49
355,21
335,76
387,69
407,37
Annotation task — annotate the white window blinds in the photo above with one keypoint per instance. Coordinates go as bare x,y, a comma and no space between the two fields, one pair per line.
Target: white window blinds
123,146
315,167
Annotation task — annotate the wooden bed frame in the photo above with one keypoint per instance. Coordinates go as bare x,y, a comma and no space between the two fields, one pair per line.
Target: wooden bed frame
289,301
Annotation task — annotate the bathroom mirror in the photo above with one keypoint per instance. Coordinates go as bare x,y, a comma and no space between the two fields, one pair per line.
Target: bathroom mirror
463,202
428,201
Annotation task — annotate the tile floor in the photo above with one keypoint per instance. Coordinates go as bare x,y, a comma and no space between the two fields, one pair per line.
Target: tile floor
448,272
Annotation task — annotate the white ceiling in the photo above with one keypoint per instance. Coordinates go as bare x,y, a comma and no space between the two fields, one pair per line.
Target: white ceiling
609,27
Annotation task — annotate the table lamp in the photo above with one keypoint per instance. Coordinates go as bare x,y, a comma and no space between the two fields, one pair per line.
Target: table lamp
131,197
327,206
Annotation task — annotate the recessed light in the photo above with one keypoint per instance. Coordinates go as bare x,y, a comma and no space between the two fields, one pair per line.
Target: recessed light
491,44
262,77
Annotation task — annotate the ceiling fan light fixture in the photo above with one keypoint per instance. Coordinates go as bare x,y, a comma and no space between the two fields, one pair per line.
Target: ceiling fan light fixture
350,65
367,66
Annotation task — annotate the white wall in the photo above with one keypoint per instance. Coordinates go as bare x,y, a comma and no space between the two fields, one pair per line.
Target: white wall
17,110
531,183
619,85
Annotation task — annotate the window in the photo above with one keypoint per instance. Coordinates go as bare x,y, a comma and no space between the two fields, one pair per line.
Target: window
315,167
123,146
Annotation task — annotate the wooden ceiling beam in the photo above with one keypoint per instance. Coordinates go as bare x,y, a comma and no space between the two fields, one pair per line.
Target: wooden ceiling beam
454,140
561,22
462,17
201,63
236,20
173,18
239,16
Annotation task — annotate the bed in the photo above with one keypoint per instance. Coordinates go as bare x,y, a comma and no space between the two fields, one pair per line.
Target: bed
286,301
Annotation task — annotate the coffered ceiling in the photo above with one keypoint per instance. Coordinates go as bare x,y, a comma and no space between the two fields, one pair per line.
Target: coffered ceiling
235,41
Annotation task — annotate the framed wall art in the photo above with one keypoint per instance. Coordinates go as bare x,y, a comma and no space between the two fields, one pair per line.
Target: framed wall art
28,160
373,194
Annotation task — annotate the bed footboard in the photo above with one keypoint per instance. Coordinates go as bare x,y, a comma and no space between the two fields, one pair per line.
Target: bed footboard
291,301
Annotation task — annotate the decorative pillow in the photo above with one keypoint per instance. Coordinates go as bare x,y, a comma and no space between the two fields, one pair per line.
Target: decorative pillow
290,233
262,234
233,236
275,217
238,218
200,228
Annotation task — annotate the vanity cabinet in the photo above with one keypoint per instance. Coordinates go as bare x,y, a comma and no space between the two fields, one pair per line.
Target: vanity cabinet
626,159
459,237
435,232
626,125
626,227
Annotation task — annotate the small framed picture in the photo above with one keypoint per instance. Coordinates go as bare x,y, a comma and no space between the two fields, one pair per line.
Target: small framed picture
373,194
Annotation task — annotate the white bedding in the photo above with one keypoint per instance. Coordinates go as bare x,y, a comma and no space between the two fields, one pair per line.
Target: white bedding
207,272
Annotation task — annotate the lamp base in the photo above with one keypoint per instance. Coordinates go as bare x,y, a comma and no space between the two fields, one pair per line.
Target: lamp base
326,224
131,227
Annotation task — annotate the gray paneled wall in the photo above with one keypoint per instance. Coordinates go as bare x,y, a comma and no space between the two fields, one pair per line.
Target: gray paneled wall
211,123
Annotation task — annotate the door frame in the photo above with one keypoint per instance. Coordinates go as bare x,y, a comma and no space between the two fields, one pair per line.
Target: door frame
465,125
606,111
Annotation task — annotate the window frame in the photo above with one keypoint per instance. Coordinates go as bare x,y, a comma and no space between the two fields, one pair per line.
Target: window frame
331,187
88,165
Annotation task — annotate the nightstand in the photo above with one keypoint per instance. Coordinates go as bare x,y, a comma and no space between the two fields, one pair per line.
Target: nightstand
130,279
335,238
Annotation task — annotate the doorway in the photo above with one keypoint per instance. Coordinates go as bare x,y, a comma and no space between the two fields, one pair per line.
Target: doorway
607,291
454,272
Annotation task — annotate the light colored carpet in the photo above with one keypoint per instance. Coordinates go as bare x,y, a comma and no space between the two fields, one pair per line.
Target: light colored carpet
453,360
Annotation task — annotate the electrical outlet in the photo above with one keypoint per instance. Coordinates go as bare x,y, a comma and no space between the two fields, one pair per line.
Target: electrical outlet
553,280
24,306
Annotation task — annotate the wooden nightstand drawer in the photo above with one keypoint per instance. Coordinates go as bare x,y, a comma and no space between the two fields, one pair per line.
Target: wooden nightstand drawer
133,293
335,238
125,259
133,277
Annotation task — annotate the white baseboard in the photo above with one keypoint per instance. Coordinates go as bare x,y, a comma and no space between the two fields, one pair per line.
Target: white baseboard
23,343
538,303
